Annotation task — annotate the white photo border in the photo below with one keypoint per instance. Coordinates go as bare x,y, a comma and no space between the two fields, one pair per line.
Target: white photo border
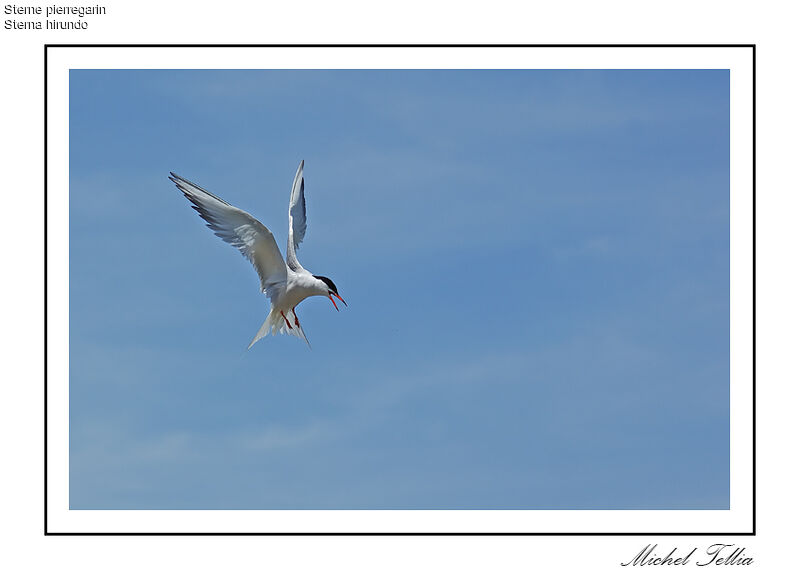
738,520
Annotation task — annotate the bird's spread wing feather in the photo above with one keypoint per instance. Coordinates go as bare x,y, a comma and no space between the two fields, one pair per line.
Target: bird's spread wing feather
297,219
241,230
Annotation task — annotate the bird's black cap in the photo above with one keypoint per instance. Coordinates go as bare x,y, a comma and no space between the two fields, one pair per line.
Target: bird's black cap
329,282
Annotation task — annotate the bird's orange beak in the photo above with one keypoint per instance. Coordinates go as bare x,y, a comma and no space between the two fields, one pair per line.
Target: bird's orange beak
331,295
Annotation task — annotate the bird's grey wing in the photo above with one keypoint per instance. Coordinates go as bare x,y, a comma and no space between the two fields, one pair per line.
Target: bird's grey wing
297,219
242,231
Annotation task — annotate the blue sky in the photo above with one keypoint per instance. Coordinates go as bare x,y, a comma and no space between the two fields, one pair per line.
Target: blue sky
536,263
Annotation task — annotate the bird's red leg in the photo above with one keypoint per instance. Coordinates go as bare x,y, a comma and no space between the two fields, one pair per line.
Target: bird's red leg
287,320
296,322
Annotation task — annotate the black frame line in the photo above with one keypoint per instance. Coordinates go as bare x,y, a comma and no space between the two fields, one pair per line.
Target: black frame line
750,533
45,290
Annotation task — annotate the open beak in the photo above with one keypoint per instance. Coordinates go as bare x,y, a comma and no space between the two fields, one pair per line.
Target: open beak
331,295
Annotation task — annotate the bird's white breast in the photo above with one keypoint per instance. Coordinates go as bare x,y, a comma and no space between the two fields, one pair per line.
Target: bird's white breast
299,286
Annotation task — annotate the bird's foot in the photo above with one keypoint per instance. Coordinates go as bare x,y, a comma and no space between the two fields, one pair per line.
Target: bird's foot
296,322
287,320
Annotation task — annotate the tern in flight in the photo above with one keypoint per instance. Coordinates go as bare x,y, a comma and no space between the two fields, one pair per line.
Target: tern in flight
287,283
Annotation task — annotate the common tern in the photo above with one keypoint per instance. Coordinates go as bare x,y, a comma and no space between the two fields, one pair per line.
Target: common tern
286,283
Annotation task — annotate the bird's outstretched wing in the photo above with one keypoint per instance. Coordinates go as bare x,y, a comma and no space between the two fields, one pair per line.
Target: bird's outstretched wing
297,219
242,231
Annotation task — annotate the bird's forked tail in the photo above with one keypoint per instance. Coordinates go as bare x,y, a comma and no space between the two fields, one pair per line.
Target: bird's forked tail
275,323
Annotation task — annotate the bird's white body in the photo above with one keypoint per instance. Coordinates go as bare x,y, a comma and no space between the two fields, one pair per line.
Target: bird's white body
286,283
299,286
